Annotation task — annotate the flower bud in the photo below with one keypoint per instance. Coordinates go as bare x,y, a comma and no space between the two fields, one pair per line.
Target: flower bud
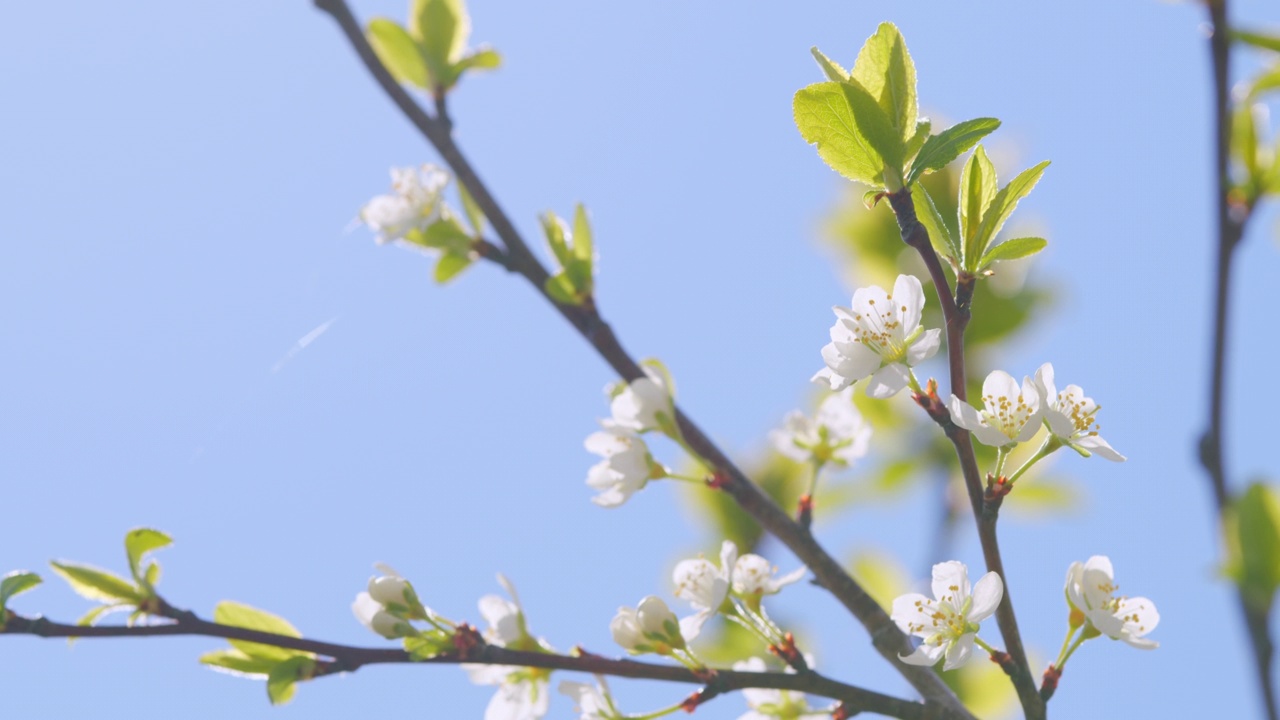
654,617
626,630
388,589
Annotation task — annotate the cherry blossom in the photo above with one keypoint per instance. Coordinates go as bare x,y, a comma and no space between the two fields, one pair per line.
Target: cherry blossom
949,622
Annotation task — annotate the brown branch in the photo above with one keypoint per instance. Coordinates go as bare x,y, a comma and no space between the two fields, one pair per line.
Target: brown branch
955,311
887,638
1231,221
346,658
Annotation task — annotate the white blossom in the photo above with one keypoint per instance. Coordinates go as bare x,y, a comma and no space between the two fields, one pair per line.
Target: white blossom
949,622
1010,413
522,692
1072,417
754,575
648,627
1091,588
879,337
626,468
837,434
591,701
637,405
769,703
413,204
371,607
704,586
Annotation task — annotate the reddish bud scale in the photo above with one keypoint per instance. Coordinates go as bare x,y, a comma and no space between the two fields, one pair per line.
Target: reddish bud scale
840,713
718,480
1050,683
466,639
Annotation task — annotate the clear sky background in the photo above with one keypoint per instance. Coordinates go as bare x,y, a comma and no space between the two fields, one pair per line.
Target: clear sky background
176,183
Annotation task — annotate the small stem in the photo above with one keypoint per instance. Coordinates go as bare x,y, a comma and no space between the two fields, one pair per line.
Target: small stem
657,713
913,383
1062,659
684,478
1051,444
1066,642
1002,456
990,650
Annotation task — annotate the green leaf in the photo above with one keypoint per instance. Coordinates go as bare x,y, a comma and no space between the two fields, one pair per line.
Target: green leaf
442,26
1253,529
884,68
875,126
918,139
823,116
1267,81
426,646
283,678
939,234
398,51
485,59
475,216
1013,250
137,543
1245,146
1002,207
554,229
240,615
583,243
1257,39
977,190
96,584
14,584
444,234
93,616
561,289
237,663
941,149
831,69
449,265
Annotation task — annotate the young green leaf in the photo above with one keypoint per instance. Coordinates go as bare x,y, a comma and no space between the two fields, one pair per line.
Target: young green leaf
884,68
1012,250
283,678
875,126
444,234
1254,545
918,139
977,190
553,228
244,616
941,149
484,59
398,51
137,543
830,68
96,584
583,244
1266,82
1245,147
561,289
93,616
823,116
235,662
442,26
1257,39
1002,206
449,265
939,234
13,584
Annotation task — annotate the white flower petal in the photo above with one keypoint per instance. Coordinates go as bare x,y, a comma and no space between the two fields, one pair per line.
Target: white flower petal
987,593
1096,445
959,652
913,613
926,655
887,381
908,293
924,347
951,583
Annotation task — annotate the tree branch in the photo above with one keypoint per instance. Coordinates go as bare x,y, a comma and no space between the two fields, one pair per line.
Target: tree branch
955,311
887,638
1231,221
346,658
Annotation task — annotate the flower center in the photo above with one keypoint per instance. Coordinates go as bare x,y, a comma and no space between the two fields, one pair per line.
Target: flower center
1007,414
881,330
1080,412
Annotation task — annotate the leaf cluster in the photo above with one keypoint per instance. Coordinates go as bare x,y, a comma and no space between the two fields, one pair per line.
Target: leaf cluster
432,52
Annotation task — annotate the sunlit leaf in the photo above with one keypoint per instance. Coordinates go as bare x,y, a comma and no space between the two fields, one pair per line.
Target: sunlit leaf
442,26
823,116
235,662
137,543
449,265
885,70
939,150
13,584
1001,207
1013,250
398,51
97,584
237,614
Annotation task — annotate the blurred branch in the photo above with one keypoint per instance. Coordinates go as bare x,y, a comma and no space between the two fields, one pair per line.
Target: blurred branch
1231,220
887,638
955,311
346,658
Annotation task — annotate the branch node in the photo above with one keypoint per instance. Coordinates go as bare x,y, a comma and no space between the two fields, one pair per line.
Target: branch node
1050,683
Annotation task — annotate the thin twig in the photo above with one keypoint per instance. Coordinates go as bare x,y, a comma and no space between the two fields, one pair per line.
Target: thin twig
1231,223
955,311
887,638
347,658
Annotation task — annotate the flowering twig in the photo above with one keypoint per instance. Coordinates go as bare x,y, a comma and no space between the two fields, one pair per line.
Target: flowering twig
346,658
887,638
955,311
1231,221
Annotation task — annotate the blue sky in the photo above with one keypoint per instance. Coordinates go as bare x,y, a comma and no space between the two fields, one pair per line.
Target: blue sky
178,180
